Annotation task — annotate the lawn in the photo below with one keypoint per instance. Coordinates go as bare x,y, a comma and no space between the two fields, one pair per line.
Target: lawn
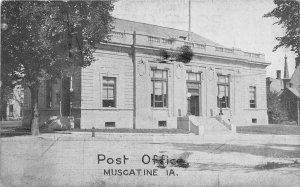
163,131
20,131
270,129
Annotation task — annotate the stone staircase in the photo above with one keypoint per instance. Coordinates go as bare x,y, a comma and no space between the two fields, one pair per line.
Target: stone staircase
209,124
202,125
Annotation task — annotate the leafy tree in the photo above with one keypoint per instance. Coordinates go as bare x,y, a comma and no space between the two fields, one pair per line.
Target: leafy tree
276,111
288,14
45,39
183,54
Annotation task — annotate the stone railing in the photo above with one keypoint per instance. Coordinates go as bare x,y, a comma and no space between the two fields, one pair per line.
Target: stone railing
173,44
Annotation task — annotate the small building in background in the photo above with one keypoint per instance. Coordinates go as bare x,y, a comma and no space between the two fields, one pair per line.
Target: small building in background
12,104
286,93
278,84
274,84
290,96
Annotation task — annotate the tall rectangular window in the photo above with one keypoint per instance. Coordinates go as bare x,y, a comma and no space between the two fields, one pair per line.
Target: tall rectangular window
11,111
109,92
21,109
223,98
159,93
48,93
252,96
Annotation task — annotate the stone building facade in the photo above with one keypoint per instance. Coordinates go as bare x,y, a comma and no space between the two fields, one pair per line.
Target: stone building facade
129,86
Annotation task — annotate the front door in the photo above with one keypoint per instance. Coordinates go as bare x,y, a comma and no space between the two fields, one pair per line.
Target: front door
194,105
193,85
193,100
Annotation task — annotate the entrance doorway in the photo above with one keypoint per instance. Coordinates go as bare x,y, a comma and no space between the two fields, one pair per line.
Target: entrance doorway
194,105
194,99
193,85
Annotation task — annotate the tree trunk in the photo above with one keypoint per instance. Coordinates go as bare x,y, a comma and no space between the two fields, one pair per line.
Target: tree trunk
3,105
34,90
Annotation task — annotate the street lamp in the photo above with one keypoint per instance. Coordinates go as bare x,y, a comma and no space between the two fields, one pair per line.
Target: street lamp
188,95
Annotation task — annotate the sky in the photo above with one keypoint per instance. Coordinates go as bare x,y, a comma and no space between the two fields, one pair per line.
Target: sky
232,23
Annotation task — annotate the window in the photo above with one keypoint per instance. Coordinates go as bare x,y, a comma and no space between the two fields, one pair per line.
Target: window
110,124
193,77
21,109
11,110
223,98
109,92
48,93
254,120
162,123
159,94
287,104
252,94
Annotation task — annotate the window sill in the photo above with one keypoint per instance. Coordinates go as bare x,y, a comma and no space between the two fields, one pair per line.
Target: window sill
158,108
255,108
109,108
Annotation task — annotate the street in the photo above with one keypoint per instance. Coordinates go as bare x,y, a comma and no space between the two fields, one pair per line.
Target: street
214,160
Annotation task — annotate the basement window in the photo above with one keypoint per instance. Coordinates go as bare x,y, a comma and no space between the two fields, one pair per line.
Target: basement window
110,124
162,123
254,120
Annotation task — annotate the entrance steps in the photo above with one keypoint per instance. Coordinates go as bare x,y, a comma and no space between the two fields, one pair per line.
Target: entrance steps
202,125
208,123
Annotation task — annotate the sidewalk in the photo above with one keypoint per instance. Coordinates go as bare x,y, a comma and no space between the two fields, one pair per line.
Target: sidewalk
10,124
233,138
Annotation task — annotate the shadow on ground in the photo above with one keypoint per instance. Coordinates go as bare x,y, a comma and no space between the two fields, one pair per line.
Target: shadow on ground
23,131
259,150
212,166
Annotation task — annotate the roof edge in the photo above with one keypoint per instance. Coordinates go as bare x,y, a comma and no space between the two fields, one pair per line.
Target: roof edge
153,25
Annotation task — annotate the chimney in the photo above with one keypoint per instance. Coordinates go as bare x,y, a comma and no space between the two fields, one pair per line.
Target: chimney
286,69
278,74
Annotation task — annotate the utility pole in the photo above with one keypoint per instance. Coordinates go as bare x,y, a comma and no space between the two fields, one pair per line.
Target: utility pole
133,53
189,34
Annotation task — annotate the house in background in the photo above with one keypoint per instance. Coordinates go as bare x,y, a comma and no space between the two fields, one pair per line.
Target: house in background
290,96
278,84
274,84
12,105
129,86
